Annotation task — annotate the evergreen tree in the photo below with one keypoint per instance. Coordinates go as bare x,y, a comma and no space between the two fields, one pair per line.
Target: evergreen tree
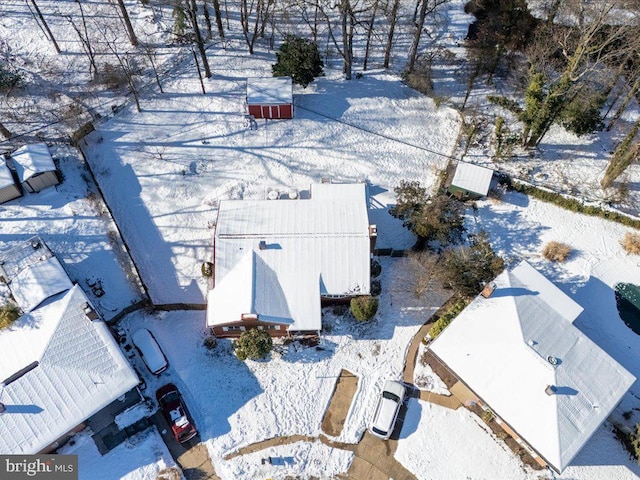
299,59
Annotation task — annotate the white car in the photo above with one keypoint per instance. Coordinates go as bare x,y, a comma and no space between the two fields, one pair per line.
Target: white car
387,410
149,350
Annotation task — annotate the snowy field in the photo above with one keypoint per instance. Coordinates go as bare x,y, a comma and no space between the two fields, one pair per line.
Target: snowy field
141,457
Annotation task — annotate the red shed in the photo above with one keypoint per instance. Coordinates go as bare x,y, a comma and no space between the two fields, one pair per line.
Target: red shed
270,97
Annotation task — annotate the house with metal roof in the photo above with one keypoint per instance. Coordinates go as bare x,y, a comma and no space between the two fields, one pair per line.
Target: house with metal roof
35,167
277,260
59,364
519,355
470,181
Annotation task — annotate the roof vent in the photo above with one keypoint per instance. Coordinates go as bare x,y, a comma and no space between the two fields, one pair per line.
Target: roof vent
262,245
2,408
552,360
35,244
532,342
488,290
273,195
293,194
89,312
550,390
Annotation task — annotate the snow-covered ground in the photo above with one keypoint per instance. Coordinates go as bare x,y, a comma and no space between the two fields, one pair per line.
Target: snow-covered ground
79,231
141,457
425,379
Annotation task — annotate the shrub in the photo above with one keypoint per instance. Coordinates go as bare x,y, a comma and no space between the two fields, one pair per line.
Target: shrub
446,318
631,243
364,308
299,59
207,269
376,268
487,416
210,342
376,288
8,78
635,442
9,313
466,269
254,344
556,251
582,115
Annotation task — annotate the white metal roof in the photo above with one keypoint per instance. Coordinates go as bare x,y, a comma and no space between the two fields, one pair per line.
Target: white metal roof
501,348
80,371
36,283
32,159
473,178
6,179
318,246
269,90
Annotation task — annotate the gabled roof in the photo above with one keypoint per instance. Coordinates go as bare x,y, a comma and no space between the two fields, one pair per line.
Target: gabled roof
59,368
269,90
509,347
32,159
313,247
39,281
473,178
6,179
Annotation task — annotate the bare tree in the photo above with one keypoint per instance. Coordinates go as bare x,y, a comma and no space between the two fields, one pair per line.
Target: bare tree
199,42
207,19
372,21
218,13
347,29
254,15
151,55
83,35
393,16
5,131
426,8
45,25
127,22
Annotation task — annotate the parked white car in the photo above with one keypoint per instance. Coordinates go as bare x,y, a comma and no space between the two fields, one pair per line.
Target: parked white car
149,350
386,413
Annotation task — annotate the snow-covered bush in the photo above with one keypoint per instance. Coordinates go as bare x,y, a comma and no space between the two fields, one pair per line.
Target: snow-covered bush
253,344
364,308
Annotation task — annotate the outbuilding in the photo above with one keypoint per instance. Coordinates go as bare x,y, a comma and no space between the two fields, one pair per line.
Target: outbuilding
470,181
8,188
35,168
270,97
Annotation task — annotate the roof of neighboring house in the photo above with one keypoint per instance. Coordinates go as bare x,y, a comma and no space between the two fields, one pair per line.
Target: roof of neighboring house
39,281
58,368
32,159
509,347
313,247
269,90
473,178
6,179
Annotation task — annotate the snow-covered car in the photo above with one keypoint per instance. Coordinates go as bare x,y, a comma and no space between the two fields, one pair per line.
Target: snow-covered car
150,351
176,412
386,413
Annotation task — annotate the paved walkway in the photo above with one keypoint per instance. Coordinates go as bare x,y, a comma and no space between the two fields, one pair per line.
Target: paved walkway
336,414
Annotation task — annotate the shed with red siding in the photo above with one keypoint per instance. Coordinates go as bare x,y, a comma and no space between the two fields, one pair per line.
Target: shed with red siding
270,97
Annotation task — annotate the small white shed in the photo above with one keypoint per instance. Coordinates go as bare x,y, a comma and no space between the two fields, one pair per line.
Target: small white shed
35,167
8,188
470,181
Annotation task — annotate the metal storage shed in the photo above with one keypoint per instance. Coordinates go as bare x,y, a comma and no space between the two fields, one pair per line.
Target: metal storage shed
35,167
270,97
8,188
470,181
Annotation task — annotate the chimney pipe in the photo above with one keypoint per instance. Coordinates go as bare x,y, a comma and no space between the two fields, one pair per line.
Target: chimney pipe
262,245
550,390
2,408
488,290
